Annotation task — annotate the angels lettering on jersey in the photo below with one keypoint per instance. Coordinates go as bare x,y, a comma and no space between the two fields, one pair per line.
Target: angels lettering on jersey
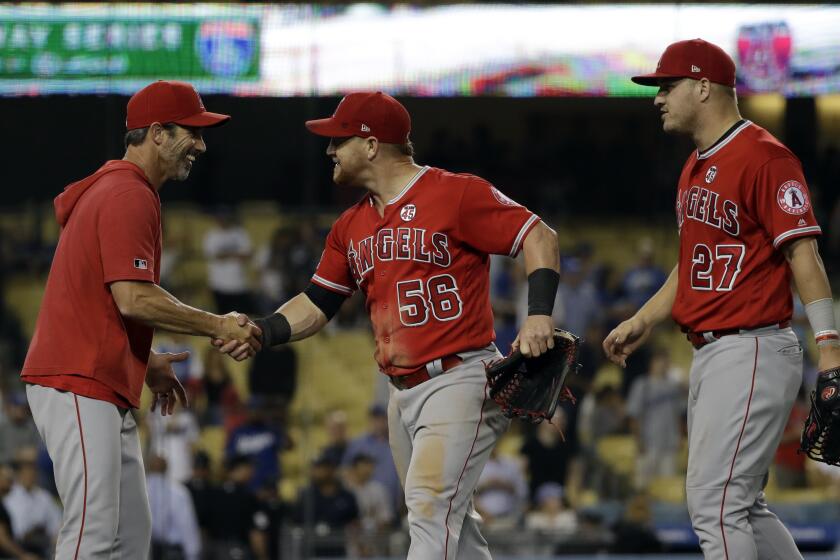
402,244
706,206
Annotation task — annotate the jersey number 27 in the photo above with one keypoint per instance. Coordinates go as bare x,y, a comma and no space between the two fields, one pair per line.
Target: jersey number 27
715,270
437,297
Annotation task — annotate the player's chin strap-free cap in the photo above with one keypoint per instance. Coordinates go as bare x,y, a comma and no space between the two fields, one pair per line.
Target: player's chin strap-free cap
366,114
169,102
696,59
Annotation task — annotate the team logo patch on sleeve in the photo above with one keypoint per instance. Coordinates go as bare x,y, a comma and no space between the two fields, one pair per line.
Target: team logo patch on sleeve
792,198
502,197
408,212
142,264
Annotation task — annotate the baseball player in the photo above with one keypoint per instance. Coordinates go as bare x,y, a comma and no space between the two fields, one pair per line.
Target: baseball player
90,353
417,245
747,227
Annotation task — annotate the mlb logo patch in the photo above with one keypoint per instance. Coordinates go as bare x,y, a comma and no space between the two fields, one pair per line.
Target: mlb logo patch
141,264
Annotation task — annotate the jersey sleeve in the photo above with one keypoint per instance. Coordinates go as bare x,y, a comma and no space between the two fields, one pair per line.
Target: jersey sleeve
492,222
783,203
128,232
333,272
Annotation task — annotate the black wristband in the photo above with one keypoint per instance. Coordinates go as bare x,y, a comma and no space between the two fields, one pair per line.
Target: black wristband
542,289
275,330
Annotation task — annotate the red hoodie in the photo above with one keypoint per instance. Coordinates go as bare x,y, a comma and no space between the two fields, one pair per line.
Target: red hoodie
110,231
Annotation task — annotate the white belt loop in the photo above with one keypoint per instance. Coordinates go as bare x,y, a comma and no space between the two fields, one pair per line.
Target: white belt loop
435,367
709,336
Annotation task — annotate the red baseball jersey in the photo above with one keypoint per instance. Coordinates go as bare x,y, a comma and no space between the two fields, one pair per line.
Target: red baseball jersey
110,231
423,266
738,203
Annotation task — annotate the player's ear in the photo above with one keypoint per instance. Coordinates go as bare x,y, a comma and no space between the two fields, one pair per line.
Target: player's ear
703,89
157,133
372,147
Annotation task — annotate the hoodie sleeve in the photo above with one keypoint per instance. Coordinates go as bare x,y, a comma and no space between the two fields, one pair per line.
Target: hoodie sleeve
128,231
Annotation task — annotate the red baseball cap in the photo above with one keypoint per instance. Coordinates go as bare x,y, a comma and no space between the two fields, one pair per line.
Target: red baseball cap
366,114
169,102
696,59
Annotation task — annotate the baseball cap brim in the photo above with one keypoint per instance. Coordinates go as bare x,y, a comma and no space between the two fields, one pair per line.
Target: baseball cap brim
328,127
205,119
653,79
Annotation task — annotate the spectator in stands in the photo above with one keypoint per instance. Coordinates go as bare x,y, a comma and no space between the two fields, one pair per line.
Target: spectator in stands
789,463
35,515
602,413
237,527
501,496
273,376
274,511
336,426
219,399
551,520
656,408
202,490
329,508
18,430
261,442
173,438
643,278
548,458
376,510
634,534
227,247
8,546
175,532
552,512
272,262
374,443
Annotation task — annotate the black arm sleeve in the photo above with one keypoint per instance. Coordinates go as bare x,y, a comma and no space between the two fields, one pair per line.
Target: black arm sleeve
325,300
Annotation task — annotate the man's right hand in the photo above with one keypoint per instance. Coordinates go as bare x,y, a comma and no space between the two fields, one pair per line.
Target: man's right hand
239,337
624,339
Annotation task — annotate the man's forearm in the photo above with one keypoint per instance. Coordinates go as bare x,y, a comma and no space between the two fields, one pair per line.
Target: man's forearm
304,317
152,305
808,270
658,307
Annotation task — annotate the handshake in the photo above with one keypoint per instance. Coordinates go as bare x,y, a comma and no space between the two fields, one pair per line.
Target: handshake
237,336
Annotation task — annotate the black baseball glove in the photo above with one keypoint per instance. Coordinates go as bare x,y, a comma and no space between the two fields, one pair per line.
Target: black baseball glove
530,388
821,434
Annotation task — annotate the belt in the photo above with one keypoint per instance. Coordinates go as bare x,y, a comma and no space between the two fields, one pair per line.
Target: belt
701,339
424,373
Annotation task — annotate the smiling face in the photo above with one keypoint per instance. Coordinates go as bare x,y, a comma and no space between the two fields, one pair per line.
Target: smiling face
678,102
179,150
350,159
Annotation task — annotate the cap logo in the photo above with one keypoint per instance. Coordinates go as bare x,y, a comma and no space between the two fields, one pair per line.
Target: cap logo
365,128
695,68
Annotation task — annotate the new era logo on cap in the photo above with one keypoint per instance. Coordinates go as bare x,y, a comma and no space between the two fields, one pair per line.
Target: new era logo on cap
142,264
695,68
365,128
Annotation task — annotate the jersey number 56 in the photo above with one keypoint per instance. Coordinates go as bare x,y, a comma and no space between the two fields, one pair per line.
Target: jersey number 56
437,297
